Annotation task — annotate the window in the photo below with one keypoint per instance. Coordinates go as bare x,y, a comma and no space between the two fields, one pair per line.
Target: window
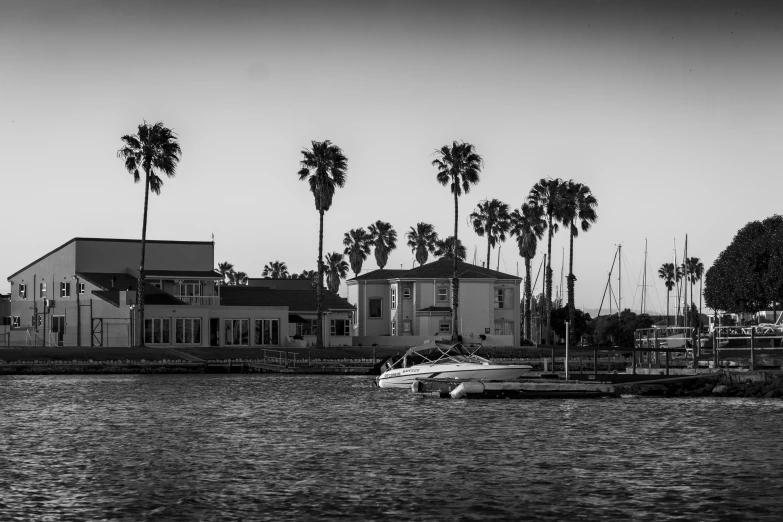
81,288
503,298
443,294
341,327
7,321
267,332
157,331
502,328
376,309
39,322
394,327
310,327
65,289
22,291
188,331
498,299
394,297
191,289
237,333
406,292
445,326
16,322
42,289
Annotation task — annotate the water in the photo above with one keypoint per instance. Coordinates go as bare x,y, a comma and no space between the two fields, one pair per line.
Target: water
251,447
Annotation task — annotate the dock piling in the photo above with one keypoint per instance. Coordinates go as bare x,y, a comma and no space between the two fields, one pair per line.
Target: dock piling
752,348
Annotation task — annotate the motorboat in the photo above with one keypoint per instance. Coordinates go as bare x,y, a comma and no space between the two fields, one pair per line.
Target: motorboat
444,360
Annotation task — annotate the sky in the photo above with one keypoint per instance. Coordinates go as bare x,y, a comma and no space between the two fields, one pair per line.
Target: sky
671,112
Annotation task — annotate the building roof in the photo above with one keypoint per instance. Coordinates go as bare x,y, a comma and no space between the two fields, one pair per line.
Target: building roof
183,274
111,292
446,309
440,269
108,240
295,300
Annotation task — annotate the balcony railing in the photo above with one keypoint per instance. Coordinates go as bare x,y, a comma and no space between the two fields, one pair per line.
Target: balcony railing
200,300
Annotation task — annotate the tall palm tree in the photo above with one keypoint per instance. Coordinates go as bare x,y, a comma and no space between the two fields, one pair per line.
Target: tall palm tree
549,194
579,208
324,167
695,273
421,241
276,270
444,248
336,270
225,268
528,225
491,219
384,237
153,149
670,276
458,166
357,247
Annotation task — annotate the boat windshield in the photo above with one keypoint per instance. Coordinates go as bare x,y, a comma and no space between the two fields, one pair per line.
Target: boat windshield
438,353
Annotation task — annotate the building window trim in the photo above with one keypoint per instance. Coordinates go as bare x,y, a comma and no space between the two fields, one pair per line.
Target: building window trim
379,308
393,297
65,289
157,330
188,330
237,331
264,336
16,321
406,292
444,326
443,294
346,327
22,291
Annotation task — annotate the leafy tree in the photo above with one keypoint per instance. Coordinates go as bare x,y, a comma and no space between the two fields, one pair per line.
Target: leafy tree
491,218
153,149
384,238
579,208
324,167
620,331
421,241
550,194
357,247
225,268
458,166
276,270
580,324
336,270
444,248
528,225
669,276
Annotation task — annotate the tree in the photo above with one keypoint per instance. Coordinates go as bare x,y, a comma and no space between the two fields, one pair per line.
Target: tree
491,219
357,247
579,208
276,270
384,237
237,278
669,276
153,149
312,275
421,241
579,324
459,166
336,270
695,271
550,195
620,329
528,225
444,248
225,268
324,167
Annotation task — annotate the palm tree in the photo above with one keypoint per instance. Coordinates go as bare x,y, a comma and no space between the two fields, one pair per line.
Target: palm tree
357,247
491,219
444,248
528,224
225,268
336,270
154,149
579,209
695,272
324,166
459,166
421,241
384,238
549,195
237,278
669,276
275,270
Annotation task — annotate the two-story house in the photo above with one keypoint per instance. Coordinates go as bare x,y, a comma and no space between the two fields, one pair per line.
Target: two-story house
83,293
417,303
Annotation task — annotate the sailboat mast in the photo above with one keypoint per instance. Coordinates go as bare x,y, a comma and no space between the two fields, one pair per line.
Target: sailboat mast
619,279
644,277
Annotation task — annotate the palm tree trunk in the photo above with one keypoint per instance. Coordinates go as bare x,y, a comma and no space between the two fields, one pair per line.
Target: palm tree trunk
488,249
548,296
142,277
319,297
454,280
571,278
528,297
667,307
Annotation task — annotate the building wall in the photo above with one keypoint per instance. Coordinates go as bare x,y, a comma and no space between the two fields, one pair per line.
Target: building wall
116,256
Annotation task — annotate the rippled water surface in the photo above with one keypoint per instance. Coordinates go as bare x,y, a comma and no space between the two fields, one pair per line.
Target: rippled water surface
221,447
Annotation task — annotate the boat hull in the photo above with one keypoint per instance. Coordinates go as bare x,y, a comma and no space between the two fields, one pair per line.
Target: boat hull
404,377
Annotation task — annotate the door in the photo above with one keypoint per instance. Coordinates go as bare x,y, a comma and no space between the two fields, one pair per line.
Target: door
58,328
214,331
